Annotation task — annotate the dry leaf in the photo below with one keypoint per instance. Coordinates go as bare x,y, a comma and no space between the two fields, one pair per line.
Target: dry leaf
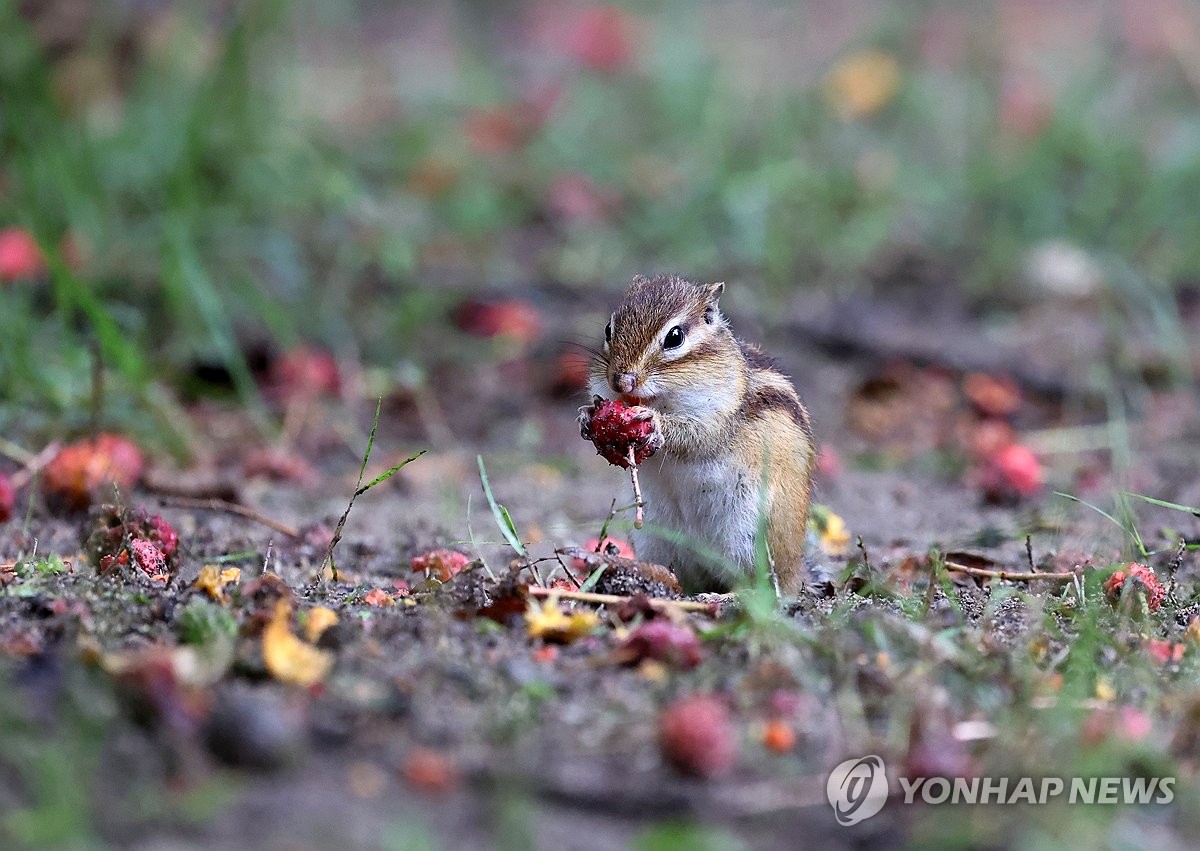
317,620
550,623
212,580
835,538
288,658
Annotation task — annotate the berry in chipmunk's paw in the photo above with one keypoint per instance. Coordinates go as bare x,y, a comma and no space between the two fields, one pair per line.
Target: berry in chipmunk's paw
616,428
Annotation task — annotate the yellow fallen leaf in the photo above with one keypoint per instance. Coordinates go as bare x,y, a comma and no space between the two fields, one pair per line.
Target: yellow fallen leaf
212,580
835,537
288,658
862,83
317,620
550,623
1105,691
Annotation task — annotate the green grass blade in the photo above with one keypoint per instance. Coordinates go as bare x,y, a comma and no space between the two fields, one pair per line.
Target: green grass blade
387,474
1162,503
1129,530
503,518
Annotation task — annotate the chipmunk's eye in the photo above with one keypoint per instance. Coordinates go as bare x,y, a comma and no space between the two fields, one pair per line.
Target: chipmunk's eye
608,333
674,338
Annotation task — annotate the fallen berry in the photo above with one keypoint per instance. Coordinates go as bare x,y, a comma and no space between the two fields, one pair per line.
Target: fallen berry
149,559
1125,723
80,469
20,256
1143,580
513,319
8,498
441,564
429,771
662,641
697,736
569,374
778,736
601,38
305,372
1012,472
1163,652
616,428
108,530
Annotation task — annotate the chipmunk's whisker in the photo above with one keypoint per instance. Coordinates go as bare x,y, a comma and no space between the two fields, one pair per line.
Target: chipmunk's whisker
594,352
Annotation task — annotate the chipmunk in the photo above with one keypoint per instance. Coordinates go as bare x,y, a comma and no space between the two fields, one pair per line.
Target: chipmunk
727,423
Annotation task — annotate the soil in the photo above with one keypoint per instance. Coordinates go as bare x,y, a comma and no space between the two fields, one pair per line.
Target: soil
439,726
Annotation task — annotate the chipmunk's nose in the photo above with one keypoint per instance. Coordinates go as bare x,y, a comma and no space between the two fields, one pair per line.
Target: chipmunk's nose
624,382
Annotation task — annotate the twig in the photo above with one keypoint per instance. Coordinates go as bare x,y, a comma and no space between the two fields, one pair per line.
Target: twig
1011,576
16,452
267,557
612,514
862,548
567,570
616,599
1174,564
230,508
638,516
1029,553
34,464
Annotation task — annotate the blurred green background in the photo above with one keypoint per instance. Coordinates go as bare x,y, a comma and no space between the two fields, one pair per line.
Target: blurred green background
204,178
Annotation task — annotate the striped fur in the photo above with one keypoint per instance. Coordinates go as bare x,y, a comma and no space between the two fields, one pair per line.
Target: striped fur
732,425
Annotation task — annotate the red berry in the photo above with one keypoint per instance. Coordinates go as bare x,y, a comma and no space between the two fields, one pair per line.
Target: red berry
163,534
150,560
20,256
1143,579
1012,471
697,736
663,641
602,38
8,498
441,565
305,372
616,428
109,527
511,319
80,469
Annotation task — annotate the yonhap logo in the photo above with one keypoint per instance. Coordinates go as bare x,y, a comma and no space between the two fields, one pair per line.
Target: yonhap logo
857,789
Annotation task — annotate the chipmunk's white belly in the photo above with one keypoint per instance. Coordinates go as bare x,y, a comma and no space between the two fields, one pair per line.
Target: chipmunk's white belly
701,505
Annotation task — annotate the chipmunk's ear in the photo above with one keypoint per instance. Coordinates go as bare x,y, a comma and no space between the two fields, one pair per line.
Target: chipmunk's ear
712,312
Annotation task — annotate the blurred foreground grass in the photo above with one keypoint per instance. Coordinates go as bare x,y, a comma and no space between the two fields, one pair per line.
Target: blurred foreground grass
204,178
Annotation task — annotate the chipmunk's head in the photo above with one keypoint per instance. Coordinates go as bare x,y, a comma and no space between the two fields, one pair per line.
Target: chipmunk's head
667,336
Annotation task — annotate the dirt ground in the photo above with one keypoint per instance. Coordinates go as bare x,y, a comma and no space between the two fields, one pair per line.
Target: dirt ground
531,750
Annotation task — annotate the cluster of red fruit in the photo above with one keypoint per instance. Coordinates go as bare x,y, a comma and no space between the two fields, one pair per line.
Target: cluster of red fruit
619,431
116,538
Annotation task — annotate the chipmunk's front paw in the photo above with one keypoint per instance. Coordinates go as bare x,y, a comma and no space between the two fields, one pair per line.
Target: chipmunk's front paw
625,435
